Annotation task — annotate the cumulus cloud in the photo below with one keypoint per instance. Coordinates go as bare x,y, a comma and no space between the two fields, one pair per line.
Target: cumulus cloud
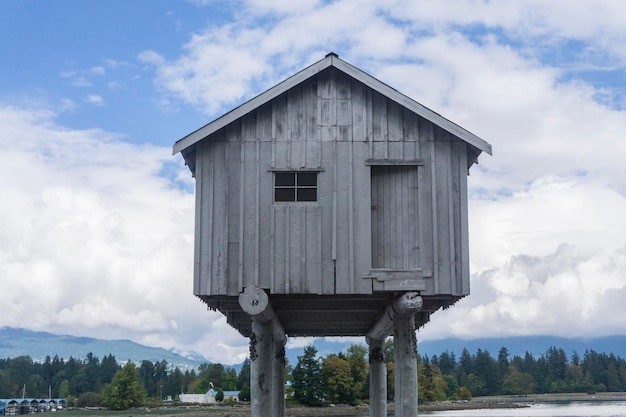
95,99
565,293
95,237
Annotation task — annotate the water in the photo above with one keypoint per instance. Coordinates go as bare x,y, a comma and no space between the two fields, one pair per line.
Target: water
572,409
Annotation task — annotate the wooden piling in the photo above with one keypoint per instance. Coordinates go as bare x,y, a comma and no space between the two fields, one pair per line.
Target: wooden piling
405,354
378,378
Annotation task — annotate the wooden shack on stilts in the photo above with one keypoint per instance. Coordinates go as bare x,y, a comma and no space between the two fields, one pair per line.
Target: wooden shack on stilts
331,204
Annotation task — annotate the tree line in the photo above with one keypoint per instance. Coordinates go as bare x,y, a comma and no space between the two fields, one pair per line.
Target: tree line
95,382
340,378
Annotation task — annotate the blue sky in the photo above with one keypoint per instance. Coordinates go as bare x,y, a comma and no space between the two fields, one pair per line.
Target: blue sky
97,215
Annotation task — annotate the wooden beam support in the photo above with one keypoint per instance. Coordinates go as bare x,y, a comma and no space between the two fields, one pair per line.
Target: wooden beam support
403,306
255,302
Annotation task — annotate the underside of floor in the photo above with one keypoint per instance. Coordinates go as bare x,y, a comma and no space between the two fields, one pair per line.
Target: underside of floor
324,315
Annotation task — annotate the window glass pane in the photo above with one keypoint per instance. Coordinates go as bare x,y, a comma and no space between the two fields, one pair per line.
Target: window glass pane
285,179
307,178
307,194
285,194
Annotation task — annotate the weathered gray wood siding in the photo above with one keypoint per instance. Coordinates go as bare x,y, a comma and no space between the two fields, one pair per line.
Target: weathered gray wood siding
343,130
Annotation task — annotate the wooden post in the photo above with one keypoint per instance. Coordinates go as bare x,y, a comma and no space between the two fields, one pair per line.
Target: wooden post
267,355
278,380
405,352
378,378
261,369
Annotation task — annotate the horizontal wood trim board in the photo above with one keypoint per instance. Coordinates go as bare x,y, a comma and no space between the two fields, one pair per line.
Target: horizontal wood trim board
395,162
296,170
393,274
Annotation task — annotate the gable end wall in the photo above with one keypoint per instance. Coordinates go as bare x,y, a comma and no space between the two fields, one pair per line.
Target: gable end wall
334,125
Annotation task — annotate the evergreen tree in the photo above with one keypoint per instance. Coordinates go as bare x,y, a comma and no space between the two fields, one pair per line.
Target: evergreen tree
244,392
244,375
219,397
307,378
503,363
125,391
447,363
108,368
146,376
613,382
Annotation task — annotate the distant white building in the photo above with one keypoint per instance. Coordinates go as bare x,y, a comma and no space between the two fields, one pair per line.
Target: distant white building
209,397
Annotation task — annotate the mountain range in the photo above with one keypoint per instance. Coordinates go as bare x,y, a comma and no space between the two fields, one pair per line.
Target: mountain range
37,344
516,346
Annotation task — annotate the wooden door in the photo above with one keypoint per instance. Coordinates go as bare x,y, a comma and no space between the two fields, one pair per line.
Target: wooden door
394,218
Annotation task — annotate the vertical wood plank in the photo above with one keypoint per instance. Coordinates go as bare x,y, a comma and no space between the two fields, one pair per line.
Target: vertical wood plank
207,234
248,128
344,279
250,228
369,121
265,198
280,132
242,215
257,214
426,205
362,218
351,229
200,280
440,188
379,120
264,124
459,150
435,215
234,216
394,122
327,197
279,249
219,232
276,281
359,110
313,158
295,255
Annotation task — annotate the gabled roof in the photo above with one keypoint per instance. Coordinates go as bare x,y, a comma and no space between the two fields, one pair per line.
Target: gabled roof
331,60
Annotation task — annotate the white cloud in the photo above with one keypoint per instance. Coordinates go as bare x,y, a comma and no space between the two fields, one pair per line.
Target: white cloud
95,99
565,293
95,235
97,70
81,82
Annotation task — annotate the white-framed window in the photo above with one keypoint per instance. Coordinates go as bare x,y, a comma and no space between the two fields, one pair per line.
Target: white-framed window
295,186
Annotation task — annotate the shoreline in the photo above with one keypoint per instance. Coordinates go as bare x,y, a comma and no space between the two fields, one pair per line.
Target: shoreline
243,410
